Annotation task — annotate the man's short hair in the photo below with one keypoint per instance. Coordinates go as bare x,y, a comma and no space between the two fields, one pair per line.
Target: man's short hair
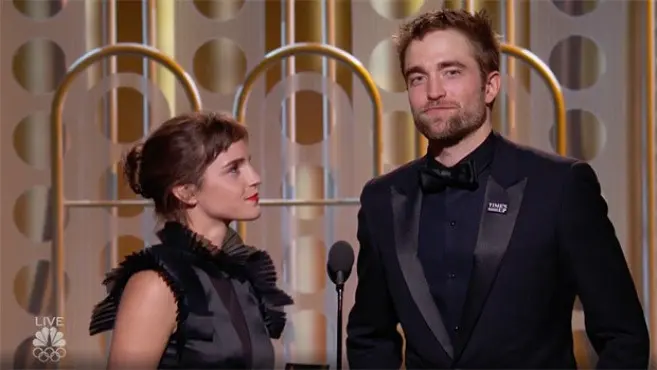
475,26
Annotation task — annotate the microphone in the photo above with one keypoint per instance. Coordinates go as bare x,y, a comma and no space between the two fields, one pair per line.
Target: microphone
339,265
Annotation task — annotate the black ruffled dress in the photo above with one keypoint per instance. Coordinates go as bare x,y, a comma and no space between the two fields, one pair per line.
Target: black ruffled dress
229,306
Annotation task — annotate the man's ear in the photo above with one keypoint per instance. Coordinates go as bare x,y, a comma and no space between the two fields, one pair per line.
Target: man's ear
492,87
186,194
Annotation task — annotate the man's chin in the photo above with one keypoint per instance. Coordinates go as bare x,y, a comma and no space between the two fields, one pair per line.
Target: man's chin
447,137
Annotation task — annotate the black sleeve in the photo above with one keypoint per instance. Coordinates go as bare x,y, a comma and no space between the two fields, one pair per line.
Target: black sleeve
614,318
373,341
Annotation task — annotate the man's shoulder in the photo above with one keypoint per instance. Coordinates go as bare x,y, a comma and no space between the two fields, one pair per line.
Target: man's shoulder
396,176
538,159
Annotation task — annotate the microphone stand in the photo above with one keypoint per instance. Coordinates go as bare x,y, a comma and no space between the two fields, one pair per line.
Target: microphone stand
339,288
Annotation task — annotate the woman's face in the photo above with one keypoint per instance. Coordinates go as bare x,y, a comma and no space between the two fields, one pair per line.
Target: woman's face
229,189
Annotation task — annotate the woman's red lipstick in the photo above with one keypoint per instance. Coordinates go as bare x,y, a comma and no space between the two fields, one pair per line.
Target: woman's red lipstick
255,197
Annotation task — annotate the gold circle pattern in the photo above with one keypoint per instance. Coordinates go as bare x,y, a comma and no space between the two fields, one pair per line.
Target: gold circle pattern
46,66
587,136
553,85
33,288
396,9
39,10
385,69
577,62
219,10
31,214
131,102
576,8
32,140
309,105
220,65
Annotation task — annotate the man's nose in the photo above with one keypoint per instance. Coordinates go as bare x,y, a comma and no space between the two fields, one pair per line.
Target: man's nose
435,89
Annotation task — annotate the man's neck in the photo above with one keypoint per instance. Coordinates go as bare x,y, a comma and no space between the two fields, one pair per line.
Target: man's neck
449,156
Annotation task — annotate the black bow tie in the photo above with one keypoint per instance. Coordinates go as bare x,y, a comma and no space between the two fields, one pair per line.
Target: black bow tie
434,179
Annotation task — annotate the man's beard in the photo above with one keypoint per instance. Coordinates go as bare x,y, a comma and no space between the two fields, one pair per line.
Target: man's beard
455,127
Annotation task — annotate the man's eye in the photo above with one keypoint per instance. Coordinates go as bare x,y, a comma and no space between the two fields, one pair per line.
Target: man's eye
416,79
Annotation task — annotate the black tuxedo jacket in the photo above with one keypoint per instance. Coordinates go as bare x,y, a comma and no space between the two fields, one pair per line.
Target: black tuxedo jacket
553,242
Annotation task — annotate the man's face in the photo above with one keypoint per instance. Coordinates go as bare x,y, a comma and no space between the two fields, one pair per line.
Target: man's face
445,89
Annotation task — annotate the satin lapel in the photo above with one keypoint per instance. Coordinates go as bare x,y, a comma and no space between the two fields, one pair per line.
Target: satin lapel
406,211
498,219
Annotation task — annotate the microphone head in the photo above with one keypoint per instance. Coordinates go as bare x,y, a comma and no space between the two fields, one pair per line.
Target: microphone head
340,262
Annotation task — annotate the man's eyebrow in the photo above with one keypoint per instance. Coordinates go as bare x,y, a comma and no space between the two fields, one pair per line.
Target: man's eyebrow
441,65
450,63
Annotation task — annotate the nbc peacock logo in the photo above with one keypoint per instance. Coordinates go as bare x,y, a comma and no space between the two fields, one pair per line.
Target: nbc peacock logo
49,345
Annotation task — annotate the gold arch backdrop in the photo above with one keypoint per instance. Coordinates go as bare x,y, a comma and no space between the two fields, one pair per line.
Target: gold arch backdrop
318,133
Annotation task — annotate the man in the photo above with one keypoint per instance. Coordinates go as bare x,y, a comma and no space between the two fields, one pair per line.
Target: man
479,249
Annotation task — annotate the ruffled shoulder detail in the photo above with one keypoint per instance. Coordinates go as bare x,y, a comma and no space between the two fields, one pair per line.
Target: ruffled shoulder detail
261,272
233,254
155,258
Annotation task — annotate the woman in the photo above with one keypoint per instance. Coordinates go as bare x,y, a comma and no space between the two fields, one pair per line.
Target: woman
201,298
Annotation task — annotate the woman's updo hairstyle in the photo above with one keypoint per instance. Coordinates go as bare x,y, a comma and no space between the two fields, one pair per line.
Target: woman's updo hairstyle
178,153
